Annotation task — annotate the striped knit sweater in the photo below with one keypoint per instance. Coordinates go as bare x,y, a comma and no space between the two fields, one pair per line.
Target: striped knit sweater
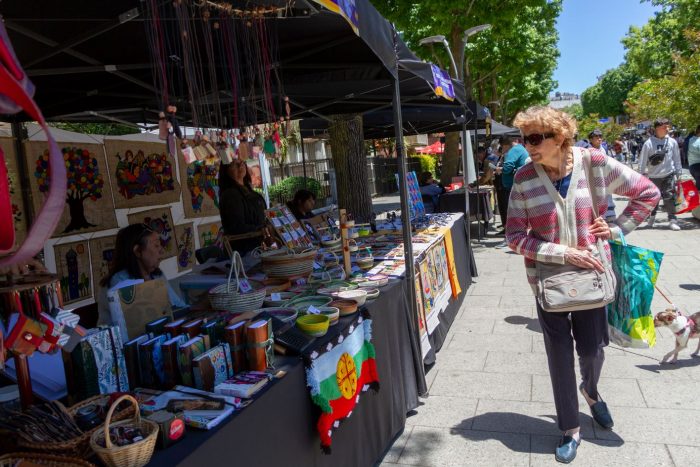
542,224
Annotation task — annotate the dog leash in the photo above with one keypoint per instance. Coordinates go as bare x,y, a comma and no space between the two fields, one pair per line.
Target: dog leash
665,297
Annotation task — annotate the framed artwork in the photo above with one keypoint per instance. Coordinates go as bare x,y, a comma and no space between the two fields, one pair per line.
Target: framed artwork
143,174
19,217
160,221
101,253
89,205
73,270
200,192
420,309
210,234
184,237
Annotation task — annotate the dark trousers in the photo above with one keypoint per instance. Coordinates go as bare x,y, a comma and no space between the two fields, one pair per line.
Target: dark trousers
589,330
502,197
668,194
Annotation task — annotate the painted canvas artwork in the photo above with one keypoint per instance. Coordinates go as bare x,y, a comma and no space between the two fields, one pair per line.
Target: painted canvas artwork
19,217
184,236
160,221
73,270
89,206
143,173
101,253
201,198
210,234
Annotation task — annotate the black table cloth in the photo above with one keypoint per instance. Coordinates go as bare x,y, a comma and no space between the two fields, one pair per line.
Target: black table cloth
279,427
454,202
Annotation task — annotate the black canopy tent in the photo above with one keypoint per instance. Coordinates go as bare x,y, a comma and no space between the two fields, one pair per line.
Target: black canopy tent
90,63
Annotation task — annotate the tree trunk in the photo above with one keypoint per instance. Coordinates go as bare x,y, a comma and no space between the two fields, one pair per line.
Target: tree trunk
350,162
451,158
77,215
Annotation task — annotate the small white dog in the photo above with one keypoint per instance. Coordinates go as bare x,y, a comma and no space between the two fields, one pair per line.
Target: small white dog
684,327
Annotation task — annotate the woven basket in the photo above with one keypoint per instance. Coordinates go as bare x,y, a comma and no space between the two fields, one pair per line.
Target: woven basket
227,297
132,455
288,263
80,445
10,460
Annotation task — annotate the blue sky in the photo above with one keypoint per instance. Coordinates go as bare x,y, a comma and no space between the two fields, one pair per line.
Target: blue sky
589,38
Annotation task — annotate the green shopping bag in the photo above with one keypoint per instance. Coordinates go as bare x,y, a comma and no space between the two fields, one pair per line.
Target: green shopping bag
629,316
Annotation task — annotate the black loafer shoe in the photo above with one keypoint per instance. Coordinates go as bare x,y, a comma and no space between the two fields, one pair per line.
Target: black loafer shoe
600,411
601,415
566,451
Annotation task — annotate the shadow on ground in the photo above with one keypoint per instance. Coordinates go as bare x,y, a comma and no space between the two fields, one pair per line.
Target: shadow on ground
689,286
684,361
524,425
531,324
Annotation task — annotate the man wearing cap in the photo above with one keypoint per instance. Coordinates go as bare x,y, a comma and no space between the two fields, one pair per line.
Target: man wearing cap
660,160
595,138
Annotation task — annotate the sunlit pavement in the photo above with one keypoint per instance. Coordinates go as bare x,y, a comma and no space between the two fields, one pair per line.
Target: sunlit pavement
491,402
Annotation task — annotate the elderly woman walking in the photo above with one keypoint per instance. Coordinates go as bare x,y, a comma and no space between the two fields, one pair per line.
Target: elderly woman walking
552,219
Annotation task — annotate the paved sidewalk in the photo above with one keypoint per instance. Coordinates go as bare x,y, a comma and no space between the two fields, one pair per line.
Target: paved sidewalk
491,402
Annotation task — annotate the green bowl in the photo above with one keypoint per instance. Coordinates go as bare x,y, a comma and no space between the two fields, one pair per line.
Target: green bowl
314,325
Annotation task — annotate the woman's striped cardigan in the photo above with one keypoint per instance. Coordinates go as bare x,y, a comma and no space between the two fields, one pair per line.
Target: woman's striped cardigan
542,224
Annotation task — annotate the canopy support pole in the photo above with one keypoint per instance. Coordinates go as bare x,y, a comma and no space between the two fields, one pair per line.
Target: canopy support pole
464,175
410,284
475,150
303,158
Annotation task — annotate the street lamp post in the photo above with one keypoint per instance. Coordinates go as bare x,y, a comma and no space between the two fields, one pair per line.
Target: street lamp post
455,74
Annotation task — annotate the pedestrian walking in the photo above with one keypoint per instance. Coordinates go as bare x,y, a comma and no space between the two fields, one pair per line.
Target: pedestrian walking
660,160
552,219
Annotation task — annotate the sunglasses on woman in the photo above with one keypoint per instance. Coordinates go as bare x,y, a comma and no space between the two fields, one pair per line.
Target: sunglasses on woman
536,139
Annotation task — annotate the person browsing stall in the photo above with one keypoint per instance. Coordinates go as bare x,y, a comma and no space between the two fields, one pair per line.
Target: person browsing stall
430,187
137,255
552,219
302,204
242,208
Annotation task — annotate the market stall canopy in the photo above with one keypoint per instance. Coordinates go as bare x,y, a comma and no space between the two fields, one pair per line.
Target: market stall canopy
499,129
92,61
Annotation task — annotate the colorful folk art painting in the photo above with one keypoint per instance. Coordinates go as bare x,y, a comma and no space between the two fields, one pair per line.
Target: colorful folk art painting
160,221
210,234
340,373
89,206
73,270
184,236
19,218
201,199
143,173
101,254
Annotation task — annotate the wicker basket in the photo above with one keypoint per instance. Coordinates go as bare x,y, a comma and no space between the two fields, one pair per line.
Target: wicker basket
132,455
10,460
288,263
80,445
226,297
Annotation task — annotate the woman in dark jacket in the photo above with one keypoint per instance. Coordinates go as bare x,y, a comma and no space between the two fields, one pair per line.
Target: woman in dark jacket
242,208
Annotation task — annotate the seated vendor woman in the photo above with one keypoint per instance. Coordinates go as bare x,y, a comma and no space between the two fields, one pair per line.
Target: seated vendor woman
242,208
137,255
302,204
430,187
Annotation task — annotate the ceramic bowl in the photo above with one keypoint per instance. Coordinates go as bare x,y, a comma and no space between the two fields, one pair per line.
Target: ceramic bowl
332,312
302,304
381,279
359,296
365,263
346,307
314,325
332,243
285,314
372,293
284,298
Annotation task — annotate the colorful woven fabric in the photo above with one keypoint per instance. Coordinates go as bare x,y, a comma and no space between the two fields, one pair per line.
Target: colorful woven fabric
339,373
541,227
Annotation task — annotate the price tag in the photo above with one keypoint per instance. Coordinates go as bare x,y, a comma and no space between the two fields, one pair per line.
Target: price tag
313,310
300,281
244,285
276,297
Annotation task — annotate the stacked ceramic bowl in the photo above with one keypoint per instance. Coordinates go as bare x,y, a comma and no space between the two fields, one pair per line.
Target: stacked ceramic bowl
314,325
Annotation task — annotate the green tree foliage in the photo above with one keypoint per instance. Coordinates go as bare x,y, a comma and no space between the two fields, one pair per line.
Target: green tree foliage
676,95
575,110
284,191
611,130
112,129
652,49
608,95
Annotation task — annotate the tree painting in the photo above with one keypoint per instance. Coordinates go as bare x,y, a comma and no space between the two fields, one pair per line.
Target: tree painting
84,183
144,175
203,180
